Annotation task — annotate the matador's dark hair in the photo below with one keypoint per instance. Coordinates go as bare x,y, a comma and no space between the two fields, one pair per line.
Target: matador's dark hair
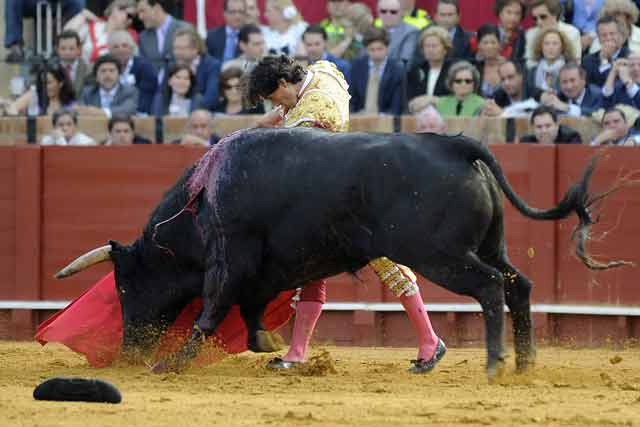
263,79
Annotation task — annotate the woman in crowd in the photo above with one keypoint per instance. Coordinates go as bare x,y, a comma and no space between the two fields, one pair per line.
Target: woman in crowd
488,59
178,96
65,130
512,40
551,50
59,92
94,31
463,81
426,81
230,90
284,32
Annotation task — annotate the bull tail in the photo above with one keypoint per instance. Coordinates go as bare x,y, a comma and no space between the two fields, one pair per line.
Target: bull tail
576,200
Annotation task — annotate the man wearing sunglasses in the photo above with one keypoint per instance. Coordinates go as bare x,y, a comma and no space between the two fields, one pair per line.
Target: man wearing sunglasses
403,37
546,14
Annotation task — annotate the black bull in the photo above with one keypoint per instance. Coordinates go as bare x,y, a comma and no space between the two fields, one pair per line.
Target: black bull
281,208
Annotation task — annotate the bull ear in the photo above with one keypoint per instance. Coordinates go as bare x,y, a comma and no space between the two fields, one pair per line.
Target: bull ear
116,247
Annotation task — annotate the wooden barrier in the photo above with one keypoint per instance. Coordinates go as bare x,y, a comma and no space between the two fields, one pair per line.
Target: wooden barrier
371,123
488,130
13,130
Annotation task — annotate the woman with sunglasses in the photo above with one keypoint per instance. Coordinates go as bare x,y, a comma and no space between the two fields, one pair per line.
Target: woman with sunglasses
94,31
463,81
230,90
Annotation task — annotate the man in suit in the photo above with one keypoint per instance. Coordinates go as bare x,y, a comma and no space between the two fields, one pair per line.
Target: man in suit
576,98
315,43
513,88
69,52
252,45
381,91
135,70
403,37
156,41
448,16
547,130
108,96
222,42
616,130
189,48
623,82
612,46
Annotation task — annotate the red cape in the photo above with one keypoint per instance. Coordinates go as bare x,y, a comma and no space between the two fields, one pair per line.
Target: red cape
92,325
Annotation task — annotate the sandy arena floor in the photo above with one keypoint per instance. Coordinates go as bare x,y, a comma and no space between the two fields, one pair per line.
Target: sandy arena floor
369,387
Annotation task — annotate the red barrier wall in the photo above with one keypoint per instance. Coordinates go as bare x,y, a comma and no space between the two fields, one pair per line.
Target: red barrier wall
58,202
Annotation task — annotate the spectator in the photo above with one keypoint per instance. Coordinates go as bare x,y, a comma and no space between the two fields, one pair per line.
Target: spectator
252,12
108,96
222,42
612,46
381,90
547,130
428,120
551,52
136,71
94,32
179,96
15,11
199,130
156,41
403,37
339,39
575,98
510,14
623,82
315,43
427,80
463,81
65,130
546,14
189,48
448,17
358,19
68,51
251,44
284,33
413,15
59,93
585,16
513,89
488,59
231,99
616,131
122,131
626,13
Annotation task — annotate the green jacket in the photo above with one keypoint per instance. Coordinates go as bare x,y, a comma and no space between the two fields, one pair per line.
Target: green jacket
471,106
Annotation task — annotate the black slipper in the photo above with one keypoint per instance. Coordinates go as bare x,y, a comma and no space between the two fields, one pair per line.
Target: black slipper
77,390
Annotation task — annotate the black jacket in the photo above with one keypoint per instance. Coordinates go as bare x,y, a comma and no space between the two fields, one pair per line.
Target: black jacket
566,135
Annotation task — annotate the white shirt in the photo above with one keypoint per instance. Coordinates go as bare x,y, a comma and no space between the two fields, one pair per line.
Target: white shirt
574,106
284,43
432,79
78,139
107,98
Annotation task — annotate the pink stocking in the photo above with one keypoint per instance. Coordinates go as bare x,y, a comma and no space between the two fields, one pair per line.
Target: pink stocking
307,314
427,338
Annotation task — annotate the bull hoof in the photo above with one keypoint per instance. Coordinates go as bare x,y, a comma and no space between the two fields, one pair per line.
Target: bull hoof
496,371
266,342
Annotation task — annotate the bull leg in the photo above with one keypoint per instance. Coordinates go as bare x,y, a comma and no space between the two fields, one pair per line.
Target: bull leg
517,290
259,340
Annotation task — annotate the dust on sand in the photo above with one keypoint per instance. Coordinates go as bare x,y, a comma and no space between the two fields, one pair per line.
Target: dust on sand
341,386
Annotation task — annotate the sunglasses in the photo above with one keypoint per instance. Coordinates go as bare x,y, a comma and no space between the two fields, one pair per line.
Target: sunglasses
465,81
542,17
229,87
389,11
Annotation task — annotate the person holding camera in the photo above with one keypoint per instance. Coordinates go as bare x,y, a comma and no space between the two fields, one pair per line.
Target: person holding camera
623,82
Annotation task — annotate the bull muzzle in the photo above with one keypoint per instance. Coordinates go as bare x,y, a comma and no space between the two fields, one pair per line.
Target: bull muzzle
92,257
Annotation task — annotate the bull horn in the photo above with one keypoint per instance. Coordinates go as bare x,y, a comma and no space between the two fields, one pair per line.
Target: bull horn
92,257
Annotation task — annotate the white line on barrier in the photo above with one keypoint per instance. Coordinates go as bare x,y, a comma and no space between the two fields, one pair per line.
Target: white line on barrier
597,310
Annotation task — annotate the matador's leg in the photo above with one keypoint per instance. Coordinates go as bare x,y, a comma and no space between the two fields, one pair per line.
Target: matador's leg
308,311
402,282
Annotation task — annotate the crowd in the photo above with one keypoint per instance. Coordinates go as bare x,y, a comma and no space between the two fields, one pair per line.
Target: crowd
579,58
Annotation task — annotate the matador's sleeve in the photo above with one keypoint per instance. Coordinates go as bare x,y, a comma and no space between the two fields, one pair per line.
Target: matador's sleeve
316,109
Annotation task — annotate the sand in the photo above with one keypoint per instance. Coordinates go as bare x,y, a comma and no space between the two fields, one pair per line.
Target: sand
343,386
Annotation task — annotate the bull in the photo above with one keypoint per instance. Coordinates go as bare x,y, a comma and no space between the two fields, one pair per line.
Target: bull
270,210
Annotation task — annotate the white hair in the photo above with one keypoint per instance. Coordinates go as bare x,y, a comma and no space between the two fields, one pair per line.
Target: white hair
122,36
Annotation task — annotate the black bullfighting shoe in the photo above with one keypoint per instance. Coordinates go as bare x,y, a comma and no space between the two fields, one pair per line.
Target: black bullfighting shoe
278,363
77,390
422,366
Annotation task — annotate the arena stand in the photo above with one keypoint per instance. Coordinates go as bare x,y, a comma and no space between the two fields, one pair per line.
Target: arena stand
57,202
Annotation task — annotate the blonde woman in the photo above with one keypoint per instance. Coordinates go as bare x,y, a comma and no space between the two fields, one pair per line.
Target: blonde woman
427,79
551,50
284,32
